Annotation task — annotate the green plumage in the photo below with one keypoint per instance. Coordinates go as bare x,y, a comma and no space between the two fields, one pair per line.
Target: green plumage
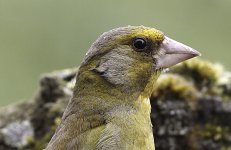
110,108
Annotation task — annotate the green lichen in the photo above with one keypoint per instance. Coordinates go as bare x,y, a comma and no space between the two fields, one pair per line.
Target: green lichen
225,148
57,121
202,73
215,132
30,140
174,86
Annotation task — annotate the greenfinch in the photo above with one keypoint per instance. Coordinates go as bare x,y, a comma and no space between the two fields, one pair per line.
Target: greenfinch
110,107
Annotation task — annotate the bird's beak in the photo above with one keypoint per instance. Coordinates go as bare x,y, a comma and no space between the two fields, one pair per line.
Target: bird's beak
172,52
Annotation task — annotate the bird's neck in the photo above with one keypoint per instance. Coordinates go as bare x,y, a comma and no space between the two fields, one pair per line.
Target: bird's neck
126,112
92,90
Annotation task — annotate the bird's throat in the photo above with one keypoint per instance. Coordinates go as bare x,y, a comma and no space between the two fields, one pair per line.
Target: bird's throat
92,90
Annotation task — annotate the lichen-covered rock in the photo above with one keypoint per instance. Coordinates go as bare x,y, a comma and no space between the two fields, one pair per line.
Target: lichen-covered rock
41,113
18,134
191,110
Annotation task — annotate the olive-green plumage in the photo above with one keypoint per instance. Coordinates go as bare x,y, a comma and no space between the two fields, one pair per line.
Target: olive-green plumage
110,108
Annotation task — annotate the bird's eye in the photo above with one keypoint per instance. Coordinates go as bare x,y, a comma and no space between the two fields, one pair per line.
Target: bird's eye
139,44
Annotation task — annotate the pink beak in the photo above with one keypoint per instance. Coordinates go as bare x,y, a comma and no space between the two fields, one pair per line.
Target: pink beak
172,52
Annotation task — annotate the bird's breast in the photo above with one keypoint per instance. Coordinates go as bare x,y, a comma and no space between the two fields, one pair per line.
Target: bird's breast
129,127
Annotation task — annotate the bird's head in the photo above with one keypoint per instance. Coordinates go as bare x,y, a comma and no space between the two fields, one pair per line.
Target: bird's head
129,57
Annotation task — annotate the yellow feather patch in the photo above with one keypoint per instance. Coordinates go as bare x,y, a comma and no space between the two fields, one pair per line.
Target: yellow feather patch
152,33
144,103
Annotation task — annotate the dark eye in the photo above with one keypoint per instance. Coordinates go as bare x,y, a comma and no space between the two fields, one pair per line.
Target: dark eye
139,44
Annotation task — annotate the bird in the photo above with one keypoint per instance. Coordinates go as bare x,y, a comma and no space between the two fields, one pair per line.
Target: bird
110,107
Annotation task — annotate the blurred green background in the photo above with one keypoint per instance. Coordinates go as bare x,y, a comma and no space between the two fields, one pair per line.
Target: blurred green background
38,36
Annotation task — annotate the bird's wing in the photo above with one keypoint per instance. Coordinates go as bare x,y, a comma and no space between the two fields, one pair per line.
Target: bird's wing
77,131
